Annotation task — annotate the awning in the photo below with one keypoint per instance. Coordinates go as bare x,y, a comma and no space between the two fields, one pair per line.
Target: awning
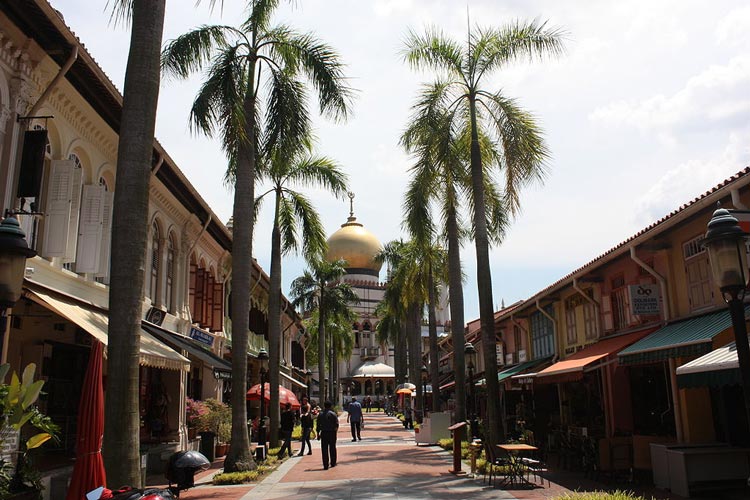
690,337
573,367
293,380
715,369
96,323
222,368
373,369
515,369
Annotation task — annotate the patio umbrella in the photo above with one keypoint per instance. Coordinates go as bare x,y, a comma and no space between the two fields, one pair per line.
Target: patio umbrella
403,390
405,385
88,471
285,395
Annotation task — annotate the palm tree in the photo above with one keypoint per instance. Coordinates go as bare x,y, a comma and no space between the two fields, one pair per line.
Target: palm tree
463,68
407,284
129,236
440,181
241,61
296,226
390,329
321,287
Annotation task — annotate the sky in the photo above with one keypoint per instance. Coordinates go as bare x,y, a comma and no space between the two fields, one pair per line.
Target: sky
648,108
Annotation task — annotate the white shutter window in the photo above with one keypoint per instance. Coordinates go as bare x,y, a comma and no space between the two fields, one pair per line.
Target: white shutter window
90,231
106,240
75,211
609,322
57,211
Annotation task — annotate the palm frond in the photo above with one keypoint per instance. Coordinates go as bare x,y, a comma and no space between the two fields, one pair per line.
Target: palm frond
432,49
287,118
188,53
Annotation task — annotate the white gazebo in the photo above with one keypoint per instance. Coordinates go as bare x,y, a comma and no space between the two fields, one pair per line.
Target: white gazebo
372,378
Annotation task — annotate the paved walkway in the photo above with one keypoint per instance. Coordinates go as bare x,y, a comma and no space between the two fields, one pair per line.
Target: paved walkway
386,464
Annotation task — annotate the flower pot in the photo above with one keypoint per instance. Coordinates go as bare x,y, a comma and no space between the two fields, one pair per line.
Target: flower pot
221,449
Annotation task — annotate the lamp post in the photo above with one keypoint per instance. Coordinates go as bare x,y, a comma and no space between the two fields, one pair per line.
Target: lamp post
263,360
725,242
424,390
470,354
14,250
308,380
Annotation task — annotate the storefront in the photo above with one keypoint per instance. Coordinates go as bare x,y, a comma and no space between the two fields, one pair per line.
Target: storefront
55,331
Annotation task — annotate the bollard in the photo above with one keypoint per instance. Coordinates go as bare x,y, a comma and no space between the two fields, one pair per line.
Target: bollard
458,431
475,448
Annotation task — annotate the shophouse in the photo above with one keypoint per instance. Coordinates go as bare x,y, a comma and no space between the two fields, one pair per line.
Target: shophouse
59,122
608,338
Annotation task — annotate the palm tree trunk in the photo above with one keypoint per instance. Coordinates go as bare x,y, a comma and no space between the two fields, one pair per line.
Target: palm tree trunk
239,457
484,284
400,350
129,235
321,348
414,333
274,327
434,353
456,298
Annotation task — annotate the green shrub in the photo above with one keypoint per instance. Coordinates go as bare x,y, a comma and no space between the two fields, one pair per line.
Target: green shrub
297,432
601,495
446,444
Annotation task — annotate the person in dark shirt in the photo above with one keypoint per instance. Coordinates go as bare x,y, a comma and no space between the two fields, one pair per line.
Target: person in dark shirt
306,419
354,417
287,426
327,426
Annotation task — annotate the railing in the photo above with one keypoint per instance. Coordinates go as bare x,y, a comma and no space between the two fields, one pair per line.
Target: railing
369,352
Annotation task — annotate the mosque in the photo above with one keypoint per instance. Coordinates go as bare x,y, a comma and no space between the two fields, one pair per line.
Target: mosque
369,370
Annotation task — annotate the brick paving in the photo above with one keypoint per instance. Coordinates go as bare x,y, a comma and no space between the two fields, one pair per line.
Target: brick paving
386,464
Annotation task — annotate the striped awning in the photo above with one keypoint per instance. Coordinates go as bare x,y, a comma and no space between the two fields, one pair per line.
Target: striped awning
718,368
690,337
573,367
95,322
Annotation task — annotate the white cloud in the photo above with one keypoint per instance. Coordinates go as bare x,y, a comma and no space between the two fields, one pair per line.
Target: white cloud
733,29
716,97
692,178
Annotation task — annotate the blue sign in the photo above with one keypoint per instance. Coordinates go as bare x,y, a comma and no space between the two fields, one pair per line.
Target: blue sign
201,336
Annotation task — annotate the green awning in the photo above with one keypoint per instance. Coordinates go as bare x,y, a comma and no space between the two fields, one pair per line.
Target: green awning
717,368
690,337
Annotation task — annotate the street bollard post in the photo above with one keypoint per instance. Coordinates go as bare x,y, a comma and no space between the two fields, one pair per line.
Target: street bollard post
458,430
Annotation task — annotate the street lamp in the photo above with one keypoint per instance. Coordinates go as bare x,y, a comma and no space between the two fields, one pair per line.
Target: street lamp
308,379
424,389
263,360
13,254
14,250
470,354
725,242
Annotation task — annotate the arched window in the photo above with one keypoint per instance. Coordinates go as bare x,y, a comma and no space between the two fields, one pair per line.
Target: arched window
155,251
71,246
170,273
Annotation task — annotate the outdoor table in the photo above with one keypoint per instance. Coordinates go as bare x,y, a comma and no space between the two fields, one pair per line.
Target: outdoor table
515,475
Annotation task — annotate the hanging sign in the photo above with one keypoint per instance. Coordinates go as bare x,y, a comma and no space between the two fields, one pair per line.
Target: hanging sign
644,299
201,336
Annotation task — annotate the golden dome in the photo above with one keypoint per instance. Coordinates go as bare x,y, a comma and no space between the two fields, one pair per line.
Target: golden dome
357,246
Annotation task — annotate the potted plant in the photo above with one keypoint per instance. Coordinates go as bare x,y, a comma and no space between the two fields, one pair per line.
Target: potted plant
194,410
214,424
19,419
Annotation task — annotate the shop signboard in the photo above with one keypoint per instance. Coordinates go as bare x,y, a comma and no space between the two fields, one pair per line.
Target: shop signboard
201,336
9,446
644,299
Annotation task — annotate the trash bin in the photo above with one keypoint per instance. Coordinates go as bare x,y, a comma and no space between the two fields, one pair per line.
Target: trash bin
208,445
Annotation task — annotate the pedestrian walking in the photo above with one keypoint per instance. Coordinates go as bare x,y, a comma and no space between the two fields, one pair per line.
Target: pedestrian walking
368,403
327,425
355,418
408,418
287,426
306,420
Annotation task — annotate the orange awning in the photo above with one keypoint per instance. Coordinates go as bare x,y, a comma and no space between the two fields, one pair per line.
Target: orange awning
572,368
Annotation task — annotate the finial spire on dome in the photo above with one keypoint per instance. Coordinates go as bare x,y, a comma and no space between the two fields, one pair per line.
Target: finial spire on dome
350,194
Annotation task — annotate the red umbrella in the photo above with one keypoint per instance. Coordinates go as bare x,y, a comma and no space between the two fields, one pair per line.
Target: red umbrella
285,395
88,471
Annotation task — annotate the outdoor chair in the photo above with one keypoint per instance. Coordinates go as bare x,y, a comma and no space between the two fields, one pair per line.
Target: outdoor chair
534,465
493,461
